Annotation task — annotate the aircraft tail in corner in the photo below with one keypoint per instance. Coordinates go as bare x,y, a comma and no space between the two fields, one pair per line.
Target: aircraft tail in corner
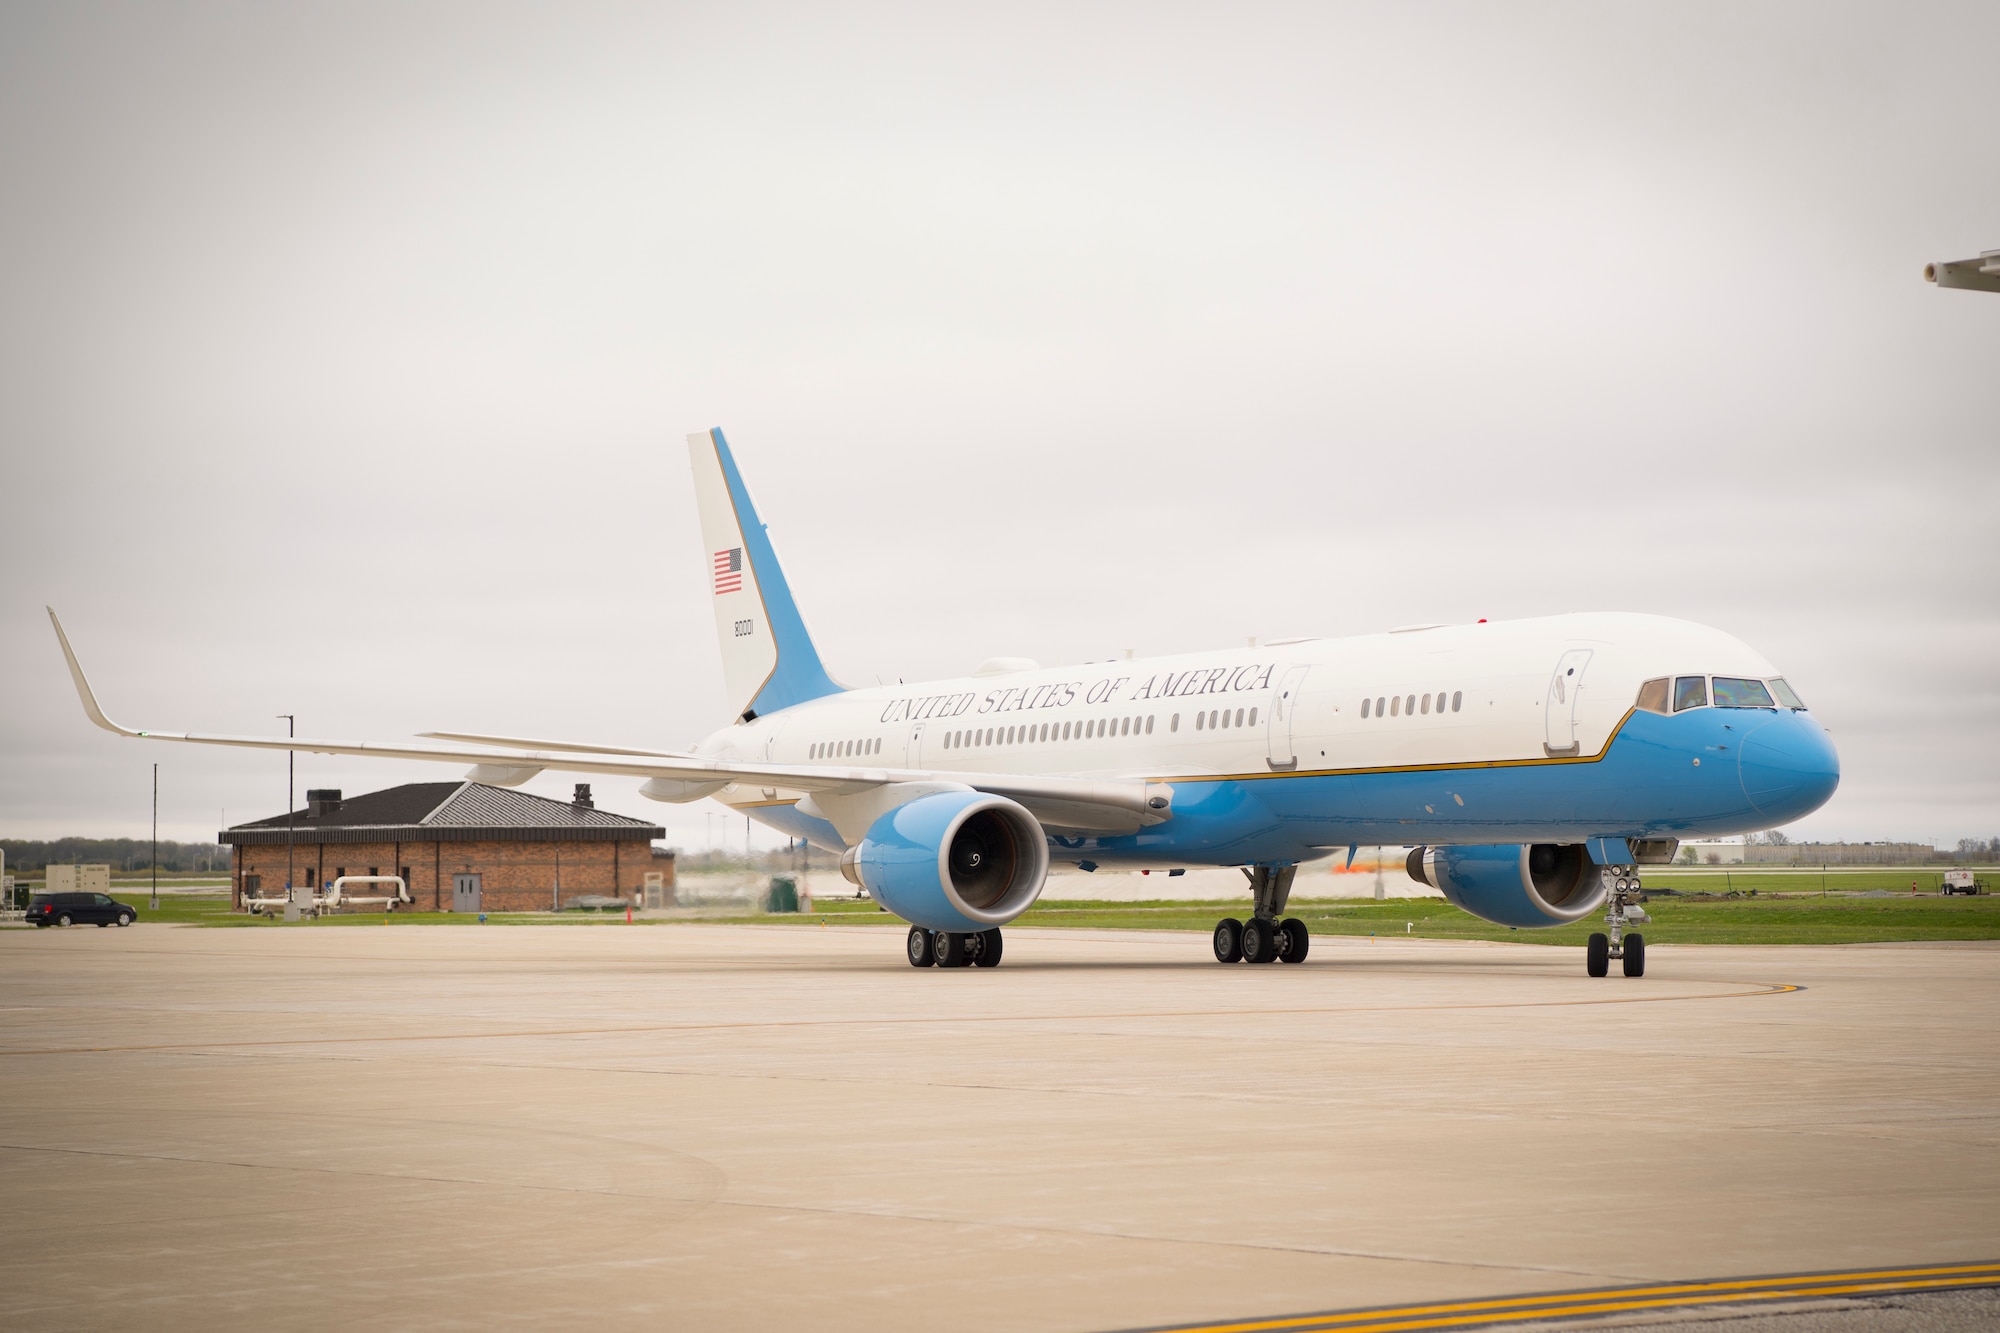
768,658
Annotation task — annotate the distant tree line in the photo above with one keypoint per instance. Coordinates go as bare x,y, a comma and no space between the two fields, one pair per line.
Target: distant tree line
123,855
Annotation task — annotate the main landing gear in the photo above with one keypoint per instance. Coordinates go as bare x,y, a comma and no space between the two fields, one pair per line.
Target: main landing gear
1623,910
1264,938
944,948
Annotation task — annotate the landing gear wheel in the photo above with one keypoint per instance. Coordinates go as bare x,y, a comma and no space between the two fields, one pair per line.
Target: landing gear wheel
1260,941
1597,956
1635,955
953,949
1229,940
989,948
921,952
1293,940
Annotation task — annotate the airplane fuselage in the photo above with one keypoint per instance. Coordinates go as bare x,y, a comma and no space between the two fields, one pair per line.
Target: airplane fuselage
1522,731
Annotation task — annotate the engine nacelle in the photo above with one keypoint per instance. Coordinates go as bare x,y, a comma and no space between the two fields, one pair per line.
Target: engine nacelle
959,861
1532,884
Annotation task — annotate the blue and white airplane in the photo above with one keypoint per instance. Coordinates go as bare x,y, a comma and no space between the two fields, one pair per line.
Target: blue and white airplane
1533,765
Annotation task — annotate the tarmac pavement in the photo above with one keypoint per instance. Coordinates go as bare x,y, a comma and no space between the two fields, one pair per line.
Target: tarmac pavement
721,1127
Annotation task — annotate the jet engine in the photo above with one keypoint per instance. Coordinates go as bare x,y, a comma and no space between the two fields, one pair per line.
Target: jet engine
960,861
1532,884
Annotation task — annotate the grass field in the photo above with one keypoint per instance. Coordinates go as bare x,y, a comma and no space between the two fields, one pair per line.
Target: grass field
1780,912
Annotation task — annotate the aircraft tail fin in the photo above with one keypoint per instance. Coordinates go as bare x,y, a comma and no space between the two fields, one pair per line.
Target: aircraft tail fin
768,658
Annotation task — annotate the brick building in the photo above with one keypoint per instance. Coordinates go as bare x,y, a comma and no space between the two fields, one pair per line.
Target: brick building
460,846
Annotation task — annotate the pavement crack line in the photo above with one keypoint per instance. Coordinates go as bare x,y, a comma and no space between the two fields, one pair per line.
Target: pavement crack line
1758,990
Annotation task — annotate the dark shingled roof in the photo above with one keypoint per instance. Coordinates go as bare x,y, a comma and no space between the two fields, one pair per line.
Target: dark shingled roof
446,812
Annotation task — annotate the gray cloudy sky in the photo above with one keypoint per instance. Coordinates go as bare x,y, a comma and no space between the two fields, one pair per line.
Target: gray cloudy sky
348,353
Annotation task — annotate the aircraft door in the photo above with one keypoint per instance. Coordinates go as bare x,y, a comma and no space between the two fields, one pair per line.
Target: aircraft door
1565,687
1279,750
913,754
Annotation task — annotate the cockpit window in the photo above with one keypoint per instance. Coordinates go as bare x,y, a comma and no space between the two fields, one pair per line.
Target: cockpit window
1785,694
1735,692
1653,695
1690,692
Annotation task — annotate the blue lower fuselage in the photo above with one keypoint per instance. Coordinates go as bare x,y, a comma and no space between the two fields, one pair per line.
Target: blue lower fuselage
1704,773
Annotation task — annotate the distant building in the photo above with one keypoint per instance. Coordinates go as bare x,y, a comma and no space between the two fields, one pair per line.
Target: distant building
460,846
1712,852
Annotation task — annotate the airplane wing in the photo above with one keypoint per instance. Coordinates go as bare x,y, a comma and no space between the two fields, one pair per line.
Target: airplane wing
1981,274
1062,804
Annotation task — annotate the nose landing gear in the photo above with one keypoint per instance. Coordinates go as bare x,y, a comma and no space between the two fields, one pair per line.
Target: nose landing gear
1264,938
1622,910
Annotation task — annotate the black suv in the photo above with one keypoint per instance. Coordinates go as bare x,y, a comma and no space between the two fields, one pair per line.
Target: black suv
77,909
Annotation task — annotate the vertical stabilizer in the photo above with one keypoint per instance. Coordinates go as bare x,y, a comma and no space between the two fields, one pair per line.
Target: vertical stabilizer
768,658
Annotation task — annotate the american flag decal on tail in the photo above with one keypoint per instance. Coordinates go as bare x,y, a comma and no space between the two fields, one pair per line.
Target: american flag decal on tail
729,570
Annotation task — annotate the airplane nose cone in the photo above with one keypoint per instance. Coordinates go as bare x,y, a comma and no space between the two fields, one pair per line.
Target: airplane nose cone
1789,768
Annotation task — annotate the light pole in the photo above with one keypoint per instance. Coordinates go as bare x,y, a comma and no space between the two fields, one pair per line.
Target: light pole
156,838
291,786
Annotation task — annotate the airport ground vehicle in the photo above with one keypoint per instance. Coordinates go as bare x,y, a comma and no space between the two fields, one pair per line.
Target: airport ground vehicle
1959,881
1534,764
80,909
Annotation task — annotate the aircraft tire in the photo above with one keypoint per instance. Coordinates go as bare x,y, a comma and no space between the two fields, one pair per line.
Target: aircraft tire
989,948
1260,941
1298,940
951,949
1597,956
1229,940
922,952
1635,956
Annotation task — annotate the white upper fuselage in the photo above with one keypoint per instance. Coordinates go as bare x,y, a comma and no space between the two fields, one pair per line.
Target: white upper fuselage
1150,717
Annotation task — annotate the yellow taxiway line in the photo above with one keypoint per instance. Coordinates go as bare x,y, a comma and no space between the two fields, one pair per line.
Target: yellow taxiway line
1615,1300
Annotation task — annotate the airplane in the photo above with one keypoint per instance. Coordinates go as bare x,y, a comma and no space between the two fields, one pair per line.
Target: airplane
1531,766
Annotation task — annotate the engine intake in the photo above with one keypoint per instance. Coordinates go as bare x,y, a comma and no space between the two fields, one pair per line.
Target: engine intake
1513,884
954,861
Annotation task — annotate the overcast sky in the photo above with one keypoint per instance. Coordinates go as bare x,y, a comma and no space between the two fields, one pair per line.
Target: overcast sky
349,352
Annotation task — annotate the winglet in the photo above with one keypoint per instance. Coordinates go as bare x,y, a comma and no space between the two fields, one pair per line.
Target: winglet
83,689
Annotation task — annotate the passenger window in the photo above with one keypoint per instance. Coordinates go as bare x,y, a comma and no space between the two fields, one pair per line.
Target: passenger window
1426,705
1690,692
1253,717
1149,724
1736,692
1785,694
1411,705
1653,696
1455,697
1211,719
1379,702
1200,720
1125,727
1174,723
1396,706
1364,707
